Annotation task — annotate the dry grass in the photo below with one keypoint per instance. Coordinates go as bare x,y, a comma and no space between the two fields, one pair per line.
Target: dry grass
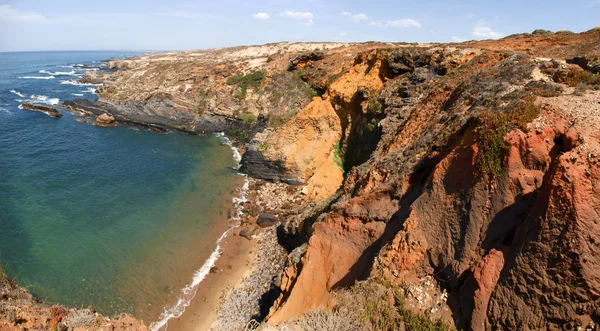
82,318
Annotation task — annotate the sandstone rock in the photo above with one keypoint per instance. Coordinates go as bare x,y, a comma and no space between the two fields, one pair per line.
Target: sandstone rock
105,120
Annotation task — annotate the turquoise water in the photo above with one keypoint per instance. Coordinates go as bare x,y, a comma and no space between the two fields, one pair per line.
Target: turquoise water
118,218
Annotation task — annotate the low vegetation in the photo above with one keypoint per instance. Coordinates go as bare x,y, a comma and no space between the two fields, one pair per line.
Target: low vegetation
248,118
575,76
494,125
338,155
202,105
240,135
278,119
252,80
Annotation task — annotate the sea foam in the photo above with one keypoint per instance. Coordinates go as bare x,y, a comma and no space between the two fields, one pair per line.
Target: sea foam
17,93
36,77
59,73
74,82
45,99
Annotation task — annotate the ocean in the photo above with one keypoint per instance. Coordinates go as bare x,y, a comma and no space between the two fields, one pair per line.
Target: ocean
122,219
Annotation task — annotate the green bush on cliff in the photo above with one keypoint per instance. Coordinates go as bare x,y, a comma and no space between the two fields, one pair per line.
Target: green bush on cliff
248,118
252,80
240,135
308,89
493,126
337,156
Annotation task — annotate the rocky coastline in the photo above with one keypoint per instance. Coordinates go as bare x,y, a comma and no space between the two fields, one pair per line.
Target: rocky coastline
458,180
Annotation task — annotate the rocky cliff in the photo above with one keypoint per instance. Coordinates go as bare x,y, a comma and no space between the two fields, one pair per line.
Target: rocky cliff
466,175
19,310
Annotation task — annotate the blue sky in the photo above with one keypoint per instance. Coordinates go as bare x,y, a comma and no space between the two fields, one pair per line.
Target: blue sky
27,25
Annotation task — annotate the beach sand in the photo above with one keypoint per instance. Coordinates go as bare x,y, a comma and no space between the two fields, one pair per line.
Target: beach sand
235,261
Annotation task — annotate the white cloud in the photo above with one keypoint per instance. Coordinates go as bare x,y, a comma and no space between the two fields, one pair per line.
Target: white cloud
403,23
262,16
457,39
9,13
357,17
482,31
296,15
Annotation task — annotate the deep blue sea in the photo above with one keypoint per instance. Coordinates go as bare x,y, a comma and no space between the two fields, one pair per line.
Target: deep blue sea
117,218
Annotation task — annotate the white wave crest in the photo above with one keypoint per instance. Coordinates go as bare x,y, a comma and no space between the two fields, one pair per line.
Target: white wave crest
77,94
188,292
17,93
237,157
59,73
4,110
90,90
45,99
36,77
74,82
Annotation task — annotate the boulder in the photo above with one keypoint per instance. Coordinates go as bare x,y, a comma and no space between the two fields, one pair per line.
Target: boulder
246,234
266,220
105,120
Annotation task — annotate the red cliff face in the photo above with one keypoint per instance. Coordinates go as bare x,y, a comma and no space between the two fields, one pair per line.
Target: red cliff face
517,248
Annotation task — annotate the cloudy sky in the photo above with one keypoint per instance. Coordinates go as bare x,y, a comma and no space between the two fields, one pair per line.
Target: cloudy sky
184,24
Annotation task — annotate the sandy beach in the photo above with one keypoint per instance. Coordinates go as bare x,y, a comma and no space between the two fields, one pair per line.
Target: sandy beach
228,271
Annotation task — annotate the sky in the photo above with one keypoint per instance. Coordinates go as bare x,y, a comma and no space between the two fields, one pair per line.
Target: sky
35,25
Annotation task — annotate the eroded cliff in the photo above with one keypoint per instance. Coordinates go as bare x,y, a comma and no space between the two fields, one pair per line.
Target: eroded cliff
465,175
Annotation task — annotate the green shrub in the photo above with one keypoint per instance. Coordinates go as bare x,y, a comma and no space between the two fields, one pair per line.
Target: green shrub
374,108
338,155
248,118
306,87
493,126
240,135
263,147
252,80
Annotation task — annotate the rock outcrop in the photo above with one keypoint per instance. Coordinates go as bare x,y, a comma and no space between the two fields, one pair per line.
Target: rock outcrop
52,112
105,120
19,310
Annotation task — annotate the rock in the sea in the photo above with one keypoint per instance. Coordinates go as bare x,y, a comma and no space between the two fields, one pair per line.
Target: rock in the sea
105,120
266,220
92,77
43,109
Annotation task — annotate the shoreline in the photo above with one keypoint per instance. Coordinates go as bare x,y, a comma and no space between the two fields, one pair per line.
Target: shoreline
230,258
